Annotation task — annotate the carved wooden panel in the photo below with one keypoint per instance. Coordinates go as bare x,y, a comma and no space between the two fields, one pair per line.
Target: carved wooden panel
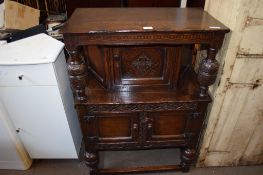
142,66
165,106
142,62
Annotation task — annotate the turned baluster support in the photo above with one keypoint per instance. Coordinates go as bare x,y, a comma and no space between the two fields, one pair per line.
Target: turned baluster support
77,74
92,160
187,158
207,73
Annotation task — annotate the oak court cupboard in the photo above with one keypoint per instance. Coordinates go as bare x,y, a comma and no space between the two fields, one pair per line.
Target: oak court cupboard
134,88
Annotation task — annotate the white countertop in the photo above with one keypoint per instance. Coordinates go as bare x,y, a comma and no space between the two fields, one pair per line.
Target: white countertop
37,49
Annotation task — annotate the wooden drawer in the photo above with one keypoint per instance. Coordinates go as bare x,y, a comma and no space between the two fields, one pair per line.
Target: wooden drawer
27,75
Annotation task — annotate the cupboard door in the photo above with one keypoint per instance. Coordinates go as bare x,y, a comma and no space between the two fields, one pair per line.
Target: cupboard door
168,126
114,128
145,67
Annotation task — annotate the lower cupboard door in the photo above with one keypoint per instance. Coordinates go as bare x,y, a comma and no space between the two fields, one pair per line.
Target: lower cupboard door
116,128
167,126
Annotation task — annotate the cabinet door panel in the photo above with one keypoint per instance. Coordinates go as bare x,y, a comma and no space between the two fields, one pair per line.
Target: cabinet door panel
117,127
145,66
114,127
167,125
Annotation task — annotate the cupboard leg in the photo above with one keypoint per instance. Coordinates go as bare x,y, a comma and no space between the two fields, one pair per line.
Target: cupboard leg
187,158
92,161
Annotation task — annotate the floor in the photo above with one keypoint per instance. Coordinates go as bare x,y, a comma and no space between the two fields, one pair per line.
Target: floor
128,158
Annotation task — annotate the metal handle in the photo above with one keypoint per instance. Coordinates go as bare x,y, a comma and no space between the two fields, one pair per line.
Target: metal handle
18,130
150,125
116,57
20,77
135,126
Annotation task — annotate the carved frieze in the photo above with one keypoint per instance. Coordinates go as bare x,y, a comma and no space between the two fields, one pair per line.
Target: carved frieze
142,107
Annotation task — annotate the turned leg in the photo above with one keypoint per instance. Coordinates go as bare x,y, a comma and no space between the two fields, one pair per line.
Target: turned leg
92,160
187,158
207,73
77,74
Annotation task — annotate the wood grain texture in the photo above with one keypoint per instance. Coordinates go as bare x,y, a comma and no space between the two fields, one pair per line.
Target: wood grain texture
142,97
108,20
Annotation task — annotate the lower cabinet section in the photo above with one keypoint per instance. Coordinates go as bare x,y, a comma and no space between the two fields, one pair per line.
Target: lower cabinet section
139,129
137,126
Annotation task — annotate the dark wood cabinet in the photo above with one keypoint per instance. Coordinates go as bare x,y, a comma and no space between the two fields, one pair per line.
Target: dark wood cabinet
131,72
71,5
153,3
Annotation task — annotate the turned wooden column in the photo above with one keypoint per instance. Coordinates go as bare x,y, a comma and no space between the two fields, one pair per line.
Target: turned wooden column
91,154
77,74
187,158
92,160
208,69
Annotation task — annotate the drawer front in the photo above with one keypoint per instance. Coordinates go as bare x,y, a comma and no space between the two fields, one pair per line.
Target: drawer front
27,75
169,126
112,128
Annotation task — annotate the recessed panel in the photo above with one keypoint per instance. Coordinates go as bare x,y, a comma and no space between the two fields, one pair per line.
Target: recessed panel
169,124
114,127
142,62
144,67
96,60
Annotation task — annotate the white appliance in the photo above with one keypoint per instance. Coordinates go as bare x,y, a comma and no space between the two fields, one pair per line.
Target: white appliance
12,153
35,91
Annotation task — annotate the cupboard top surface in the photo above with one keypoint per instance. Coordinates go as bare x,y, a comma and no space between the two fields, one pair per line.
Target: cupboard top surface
110,20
